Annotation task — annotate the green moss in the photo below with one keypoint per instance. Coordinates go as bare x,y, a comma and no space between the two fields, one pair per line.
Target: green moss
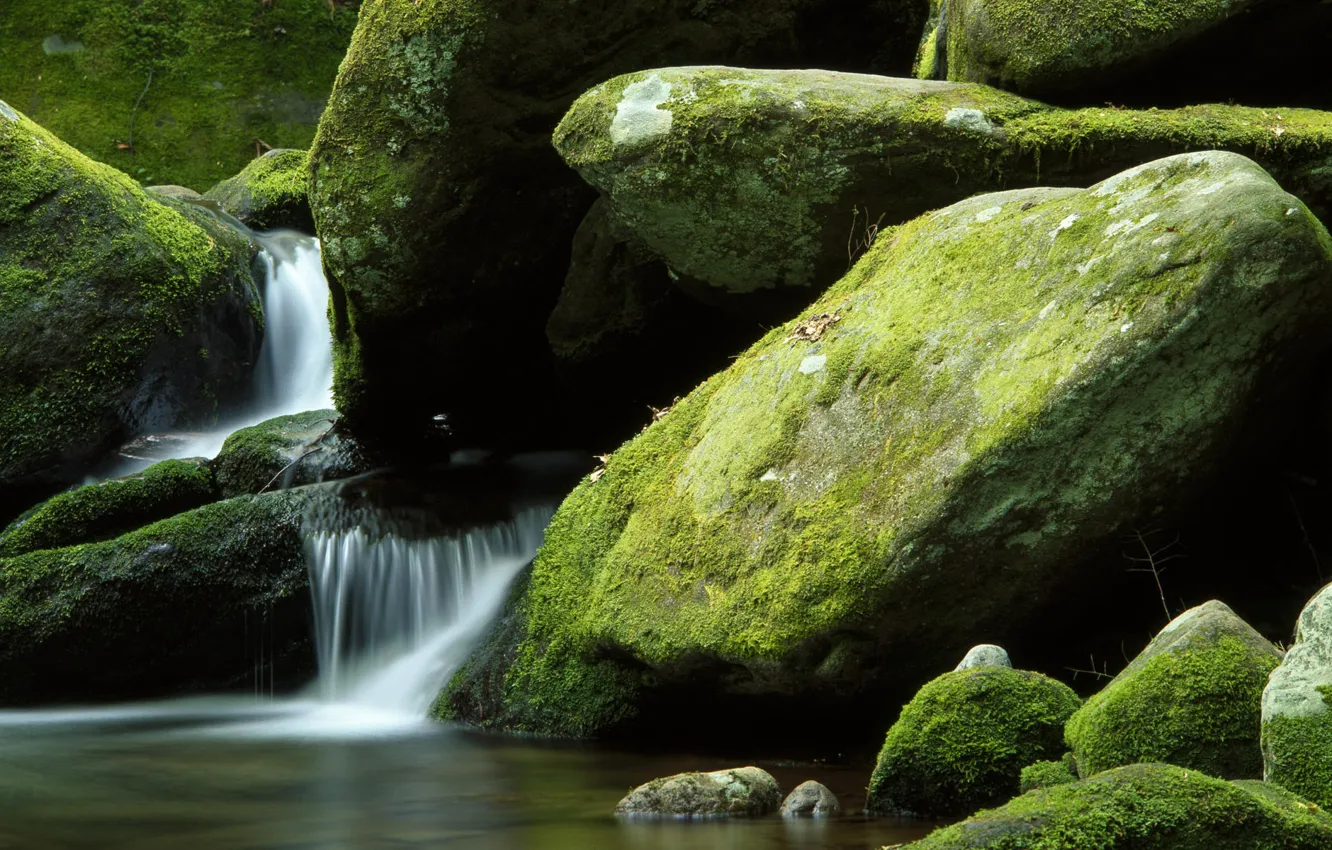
962,741
1003,360
1299,752
161,606
106,290
1143,807
273,191
109,508
1199,708
287,451
224,73
1047,774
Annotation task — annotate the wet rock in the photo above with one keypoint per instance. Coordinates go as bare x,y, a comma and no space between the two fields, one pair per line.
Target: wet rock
288,451
272,192
810,798
742,791
985,655
1297,708
962,742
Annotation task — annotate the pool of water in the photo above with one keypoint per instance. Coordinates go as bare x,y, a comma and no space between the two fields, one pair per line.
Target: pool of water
213,774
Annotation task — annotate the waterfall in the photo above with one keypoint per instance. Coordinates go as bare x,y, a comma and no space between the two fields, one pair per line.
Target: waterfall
395,617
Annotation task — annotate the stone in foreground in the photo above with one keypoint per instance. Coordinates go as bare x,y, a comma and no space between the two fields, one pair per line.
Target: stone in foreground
962,742
1297,708
1191,698
810,798
1011,381
1144,807
742,791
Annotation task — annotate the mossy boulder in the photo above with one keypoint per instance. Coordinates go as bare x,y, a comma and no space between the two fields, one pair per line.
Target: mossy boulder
198,600
962,742
288,451
741,791
1047,774
1297,708
174,91
1191,698
757,181
110,508
120,312
273,191
1010,381
1144,807
434,156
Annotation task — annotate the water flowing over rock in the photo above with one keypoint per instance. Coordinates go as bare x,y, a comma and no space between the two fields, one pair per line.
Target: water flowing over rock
1010,382
1192,698
1297,708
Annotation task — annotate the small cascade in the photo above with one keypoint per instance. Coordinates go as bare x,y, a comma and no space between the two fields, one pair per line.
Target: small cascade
295,371
395,617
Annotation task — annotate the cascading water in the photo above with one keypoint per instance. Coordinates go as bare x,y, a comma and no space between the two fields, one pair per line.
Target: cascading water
395,617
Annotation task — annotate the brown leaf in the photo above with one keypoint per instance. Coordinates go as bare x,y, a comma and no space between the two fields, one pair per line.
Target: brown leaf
813,328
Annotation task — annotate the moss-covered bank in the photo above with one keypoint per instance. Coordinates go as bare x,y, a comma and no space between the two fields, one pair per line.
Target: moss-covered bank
119,312
1007,382
224,73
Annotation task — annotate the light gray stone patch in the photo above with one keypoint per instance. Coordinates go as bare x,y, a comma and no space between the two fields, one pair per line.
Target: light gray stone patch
639,116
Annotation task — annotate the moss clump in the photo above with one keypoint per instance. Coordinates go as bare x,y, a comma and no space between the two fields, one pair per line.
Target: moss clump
961,743
1047,774
1297,708
287,451
273,191
1192,698
109,508
1011,378
224,73
158,609
119,312
1299,752
1143,807
754,180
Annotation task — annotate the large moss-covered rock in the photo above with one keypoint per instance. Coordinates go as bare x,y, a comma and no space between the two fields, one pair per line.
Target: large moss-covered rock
191,601
962,742
287,451
433,161
272,191
119,312
758,180
1008,382
110,508
224,74
1144,807
1297,708
1191,698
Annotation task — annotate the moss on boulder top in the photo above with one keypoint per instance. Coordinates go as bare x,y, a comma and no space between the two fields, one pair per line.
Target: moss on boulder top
272,191
109,508
1297,708
433,159
758,180
224,74
1008,382
962,742
119,312
1144,807
287,451
1191,698
1047,774
179,603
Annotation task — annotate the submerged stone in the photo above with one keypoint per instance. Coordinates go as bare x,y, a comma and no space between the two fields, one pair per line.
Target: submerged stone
963,741
1192,698
742,791
810,798
1143,807
1297,708
1011,381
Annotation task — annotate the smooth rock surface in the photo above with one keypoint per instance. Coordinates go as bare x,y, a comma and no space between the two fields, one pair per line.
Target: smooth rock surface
985,655
747,791
810,798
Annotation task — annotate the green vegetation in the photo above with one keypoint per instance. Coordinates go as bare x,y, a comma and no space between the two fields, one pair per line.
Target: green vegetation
961,743
287,451
272,192
1144,807
224,73
1299,752
1047,774
109,508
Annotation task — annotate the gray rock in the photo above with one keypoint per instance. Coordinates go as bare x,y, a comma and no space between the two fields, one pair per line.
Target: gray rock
985,655
1297,708
739,791
180,193
810,798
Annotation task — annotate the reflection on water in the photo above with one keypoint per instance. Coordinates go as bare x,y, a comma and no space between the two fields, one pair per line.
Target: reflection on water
211,774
